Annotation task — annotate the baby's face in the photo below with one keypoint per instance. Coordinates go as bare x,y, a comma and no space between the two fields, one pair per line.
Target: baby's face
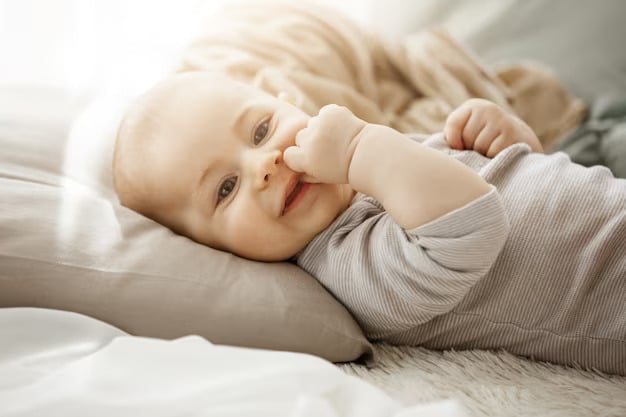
217,164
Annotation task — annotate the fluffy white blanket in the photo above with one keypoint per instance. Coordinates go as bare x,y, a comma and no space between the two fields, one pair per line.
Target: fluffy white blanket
493,383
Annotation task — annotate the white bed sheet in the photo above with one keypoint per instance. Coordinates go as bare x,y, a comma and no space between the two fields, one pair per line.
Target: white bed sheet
56,363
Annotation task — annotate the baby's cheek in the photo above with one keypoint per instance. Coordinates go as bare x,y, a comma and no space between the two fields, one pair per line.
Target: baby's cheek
249,229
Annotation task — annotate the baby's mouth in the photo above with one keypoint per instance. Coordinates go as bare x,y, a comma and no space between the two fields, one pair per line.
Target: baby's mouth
295,190
293,194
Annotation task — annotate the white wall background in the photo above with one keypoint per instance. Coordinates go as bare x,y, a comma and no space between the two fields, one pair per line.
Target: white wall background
79,46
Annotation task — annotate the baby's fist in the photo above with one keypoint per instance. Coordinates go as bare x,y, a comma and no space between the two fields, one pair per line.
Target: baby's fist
324,148
485,127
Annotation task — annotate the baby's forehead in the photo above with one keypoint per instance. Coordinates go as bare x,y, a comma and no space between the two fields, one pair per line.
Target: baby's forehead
184,103
196,94
206,84
199,95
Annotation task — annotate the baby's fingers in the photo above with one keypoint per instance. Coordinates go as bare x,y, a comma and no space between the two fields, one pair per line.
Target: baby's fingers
294,158
486,137
455,124
498,145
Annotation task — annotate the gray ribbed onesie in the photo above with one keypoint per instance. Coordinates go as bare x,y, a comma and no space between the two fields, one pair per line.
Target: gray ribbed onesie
536,267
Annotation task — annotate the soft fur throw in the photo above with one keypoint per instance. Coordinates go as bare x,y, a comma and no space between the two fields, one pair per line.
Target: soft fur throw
319,57
494,384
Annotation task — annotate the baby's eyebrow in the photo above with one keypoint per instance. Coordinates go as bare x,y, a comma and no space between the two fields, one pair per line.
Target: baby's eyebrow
252,105
242,115
202,180
205,174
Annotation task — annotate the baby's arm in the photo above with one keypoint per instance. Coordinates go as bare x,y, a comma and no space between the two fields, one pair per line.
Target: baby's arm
484,127
416,184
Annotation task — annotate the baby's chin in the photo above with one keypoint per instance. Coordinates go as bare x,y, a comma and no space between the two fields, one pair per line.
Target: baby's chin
263,251
274,251
269,254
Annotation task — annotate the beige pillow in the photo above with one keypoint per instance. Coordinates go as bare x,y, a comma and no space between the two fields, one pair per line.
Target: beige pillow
67,244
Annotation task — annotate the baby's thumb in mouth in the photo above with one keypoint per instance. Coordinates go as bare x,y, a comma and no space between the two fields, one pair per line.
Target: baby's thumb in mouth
309,178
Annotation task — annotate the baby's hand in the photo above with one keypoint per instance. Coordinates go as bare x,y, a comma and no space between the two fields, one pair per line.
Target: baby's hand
324,148
487,128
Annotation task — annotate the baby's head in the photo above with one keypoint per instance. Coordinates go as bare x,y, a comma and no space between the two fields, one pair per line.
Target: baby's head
202,154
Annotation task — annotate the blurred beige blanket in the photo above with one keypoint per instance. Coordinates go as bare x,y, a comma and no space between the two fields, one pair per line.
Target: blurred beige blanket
319,57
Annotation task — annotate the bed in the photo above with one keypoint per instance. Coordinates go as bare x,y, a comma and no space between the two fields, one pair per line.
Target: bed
113,286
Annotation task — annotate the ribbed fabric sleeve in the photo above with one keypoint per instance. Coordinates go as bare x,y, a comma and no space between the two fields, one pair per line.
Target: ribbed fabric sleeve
432,266
537,266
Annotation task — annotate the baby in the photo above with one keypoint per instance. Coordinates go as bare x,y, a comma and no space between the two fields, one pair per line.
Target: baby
466,239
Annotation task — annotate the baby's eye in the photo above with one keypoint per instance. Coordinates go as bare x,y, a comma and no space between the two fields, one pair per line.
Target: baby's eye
226,188
261,131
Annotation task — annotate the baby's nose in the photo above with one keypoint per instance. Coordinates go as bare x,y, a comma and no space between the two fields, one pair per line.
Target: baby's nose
266,166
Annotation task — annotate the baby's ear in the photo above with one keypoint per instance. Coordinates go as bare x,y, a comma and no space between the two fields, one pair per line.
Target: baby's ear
285,96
